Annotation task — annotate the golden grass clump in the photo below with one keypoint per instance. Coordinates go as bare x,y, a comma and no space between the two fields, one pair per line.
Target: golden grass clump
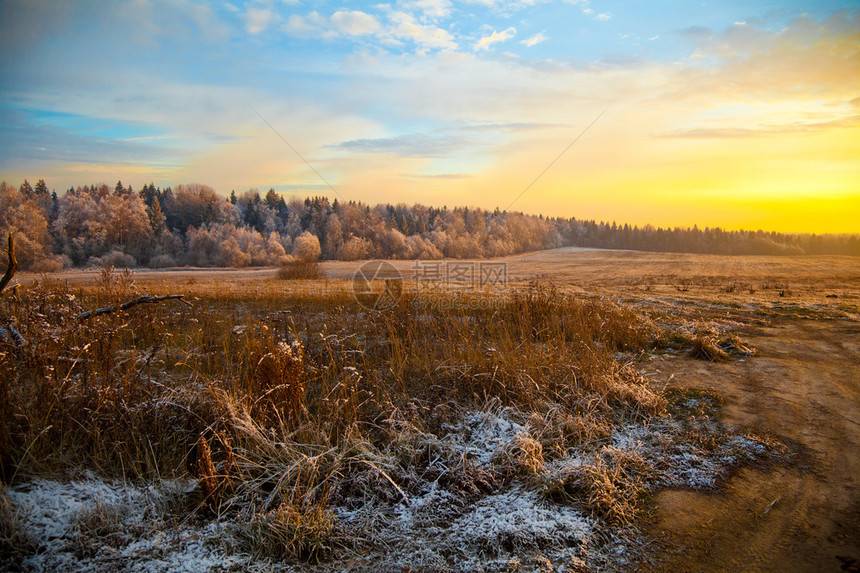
291,531
705,342
301,270
523,455
706,348
559,429
611,485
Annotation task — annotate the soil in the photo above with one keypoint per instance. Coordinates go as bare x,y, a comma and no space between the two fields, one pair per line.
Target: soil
803,388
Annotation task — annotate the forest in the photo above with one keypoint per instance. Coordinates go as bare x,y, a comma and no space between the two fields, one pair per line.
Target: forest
191,225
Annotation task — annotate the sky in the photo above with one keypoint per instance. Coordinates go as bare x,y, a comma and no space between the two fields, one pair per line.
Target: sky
738,114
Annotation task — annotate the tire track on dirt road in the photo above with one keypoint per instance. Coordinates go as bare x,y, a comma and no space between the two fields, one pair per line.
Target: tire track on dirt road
803,388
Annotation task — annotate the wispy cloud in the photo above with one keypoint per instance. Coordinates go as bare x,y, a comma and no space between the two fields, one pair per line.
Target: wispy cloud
793,128
355,23
398,28
438,175
257,20
404,26
431,10
312,25
486,42
30,141
407,145
534,40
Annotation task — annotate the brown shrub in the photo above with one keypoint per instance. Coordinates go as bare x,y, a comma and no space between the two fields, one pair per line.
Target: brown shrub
301,270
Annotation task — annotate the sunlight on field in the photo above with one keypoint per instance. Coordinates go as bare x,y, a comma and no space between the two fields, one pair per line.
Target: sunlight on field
289,419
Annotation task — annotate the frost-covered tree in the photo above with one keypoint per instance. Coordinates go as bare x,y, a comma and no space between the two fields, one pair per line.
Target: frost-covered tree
21,215
355,249
306,247
192,205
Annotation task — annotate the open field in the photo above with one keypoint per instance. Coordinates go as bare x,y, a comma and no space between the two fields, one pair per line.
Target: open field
627,411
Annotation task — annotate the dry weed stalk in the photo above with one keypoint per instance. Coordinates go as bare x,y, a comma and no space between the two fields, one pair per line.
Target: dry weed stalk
279,377
206,473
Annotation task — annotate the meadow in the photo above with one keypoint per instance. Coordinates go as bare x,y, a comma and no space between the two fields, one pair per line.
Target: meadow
271,424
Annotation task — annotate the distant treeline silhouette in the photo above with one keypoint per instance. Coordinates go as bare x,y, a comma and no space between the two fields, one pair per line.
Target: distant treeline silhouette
193,225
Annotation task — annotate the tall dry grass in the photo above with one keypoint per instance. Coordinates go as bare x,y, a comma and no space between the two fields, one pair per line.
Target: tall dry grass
284,405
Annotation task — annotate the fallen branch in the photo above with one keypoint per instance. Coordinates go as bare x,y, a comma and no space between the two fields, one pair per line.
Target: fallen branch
146,299
13,264
11,335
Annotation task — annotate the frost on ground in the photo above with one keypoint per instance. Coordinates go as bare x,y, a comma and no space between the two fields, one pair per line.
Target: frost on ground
499,525
93,525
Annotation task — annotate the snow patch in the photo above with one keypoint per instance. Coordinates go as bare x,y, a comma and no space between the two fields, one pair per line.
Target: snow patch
93,525
482,433
517,519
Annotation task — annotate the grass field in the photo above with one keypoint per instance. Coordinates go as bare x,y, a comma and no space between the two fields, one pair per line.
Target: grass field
544,424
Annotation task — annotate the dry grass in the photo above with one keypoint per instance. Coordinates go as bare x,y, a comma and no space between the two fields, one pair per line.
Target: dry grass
707,348
14,542
301,270
285,403
293,532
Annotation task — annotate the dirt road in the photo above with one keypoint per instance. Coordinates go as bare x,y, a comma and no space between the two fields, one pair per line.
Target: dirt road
803,387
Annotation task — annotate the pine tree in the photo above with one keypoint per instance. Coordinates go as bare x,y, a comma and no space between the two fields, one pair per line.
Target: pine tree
272,198
156,218
41,188
26,189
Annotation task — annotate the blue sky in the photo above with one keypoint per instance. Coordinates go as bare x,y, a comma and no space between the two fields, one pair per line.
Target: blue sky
443,102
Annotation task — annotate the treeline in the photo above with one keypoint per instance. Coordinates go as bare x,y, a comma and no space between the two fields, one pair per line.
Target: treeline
192,225
713,241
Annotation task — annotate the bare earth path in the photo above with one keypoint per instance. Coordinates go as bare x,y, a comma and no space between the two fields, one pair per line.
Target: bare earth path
804,387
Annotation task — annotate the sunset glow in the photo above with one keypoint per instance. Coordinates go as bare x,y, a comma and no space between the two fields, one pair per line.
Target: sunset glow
732,114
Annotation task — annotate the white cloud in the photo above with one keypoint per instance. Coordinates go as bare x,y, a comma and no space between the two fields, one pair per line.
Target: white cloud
144,22
258,19
406,28
431,10
505,6
534,40
603,16
487,41
401,27
313,25
355,23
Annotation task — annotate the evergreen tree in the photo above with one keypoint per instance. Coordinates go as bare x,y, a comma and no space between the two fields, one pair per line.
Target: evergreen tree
26,190
41,189
156,218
